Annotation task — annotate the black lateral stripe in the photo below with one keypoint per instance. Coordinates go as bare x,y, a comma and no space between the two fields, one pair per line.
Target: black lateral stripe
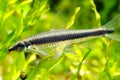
58,38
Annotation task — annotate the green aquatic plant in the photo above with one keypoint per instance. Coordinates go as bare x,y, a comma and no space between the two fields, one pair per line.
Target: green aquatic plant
96,59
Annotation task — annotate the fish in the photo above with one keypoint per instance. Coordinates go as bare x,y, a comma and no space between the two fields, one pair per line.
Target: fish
57,37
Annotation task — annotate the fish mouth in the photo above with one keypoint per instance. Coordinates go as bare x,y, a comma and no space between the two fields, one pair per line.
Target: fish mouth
12,49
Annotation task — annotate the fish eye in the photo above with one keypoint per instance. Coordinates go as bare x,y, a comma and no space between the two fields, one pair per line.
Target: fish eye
20,45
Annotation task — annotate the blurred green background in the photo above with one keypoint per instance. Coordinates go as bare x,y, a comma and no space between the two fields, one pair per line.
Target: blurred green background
22,18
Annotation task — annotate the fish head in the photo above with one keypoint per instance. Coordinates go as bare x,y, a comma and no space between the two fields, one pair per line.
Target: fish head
17,47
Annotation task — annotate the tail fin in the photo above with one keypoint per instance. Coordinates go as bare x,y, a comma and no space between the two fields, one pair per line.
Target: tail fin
114,24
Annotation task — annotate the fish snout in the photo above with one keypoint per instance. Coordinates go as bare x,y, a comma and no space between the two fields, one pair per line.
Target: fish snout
18,46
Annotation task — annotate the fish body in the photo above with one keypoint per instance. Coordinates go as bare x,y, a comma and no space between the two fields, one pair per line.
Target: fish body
55,37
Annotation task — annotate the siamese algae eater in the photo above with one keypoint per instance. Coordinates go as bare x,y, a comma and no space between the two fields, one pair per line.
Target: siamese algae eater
55,37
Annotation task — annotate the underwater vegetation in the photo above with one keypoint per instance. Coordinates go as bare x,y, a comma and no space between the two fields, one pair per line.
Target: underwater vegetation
64,22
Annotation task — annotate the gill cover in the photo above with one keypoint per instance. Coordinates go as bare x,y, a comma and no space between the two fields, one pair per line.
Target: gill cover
114,24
